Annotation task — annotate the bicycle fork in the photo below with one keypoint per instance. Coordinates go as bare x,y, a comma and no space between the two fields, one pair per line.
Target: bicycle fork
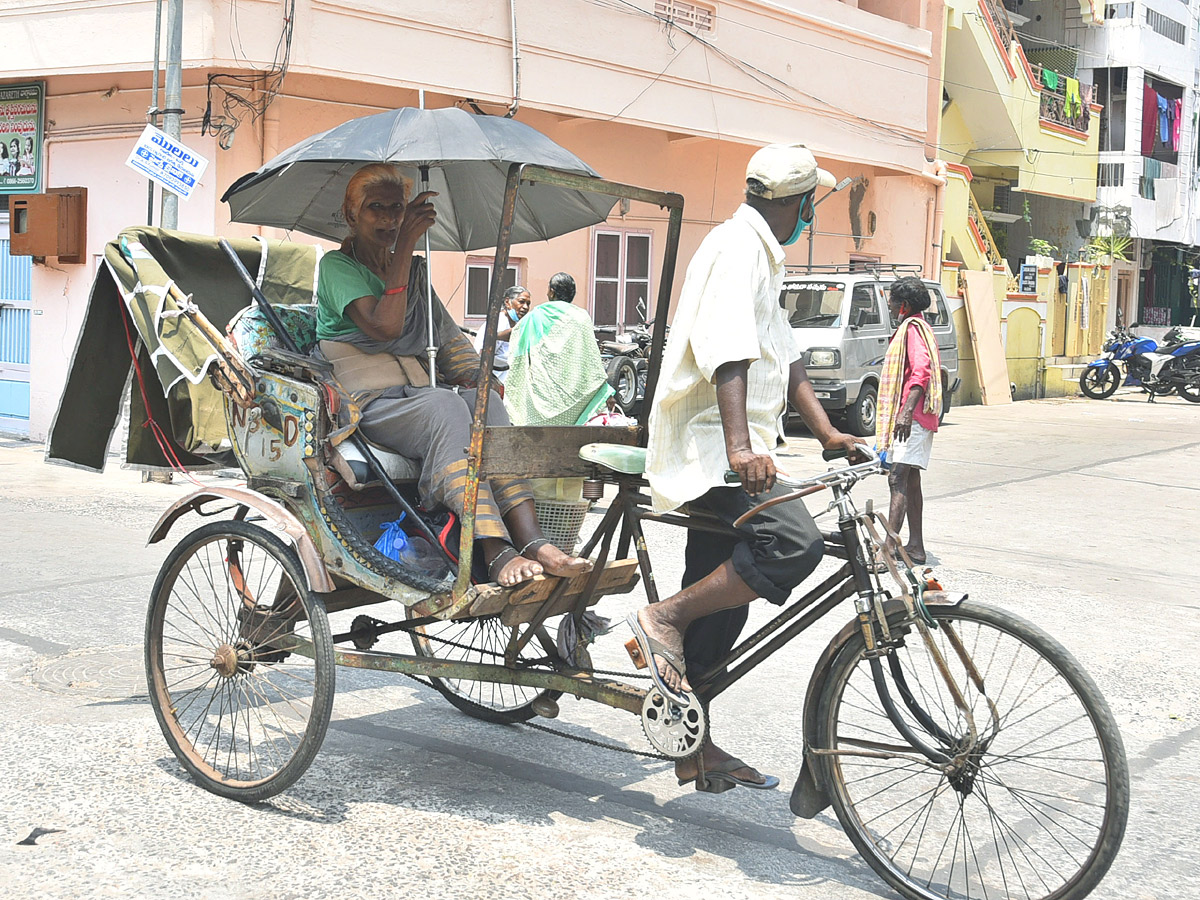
859,533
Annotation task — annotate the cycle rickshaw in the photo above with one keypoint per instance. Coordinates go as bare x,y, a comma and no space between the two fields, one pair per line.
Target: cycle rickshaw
963,750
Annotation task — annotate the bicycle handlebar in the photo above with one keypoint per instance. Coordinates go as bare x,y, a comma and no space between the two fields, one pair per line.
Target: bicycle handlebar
732,477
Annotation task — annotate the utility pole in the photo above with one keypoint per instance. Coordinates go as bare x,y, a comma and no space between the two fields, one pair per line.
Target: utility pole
173,114
173,126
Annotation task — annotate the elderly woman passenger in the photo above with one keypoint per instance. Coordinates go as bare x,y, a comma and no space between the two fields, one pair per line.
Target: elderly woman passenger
373,325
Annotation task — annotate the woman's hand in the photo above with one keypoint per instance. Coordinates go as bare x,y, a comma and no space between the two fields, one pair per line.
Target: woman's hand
419,217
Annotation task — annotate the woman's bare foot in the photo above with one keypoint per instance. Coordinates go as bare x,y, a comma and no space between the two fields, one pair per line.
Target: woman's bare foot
555,562
508,567
671,640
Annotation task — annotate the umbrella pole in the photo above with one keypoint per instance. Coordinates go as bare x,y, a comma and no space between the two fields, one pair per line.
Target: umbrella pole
430,348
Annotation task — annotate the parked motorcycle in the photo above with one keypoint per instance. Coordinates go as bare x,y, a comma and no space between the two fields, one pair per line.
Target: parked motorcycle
1160,371
626,357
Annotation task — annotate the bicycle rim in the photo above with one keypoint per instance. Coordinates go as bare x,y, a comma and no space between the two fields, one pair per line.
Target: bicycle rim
1038,809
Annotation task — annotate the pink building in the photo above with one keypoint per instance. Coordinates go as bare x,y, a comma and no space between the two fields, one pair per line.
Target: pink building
668,94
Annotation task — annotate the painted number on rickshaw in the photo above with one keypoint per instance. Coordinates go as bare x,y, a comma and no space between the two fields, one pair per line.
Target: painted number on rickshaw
251,423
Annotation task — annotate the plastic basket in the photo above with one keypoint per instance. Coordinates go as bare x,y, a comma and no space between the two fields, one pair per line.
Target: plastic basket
561,521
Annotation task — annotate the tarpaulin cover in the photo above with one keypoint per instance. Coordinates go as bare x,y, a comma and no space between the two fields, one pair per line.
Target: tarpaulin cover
130,292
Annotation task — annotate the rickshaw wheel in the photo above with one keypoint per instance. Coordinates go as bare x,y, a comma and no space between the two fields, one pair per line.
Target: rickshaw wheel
484,640
239,661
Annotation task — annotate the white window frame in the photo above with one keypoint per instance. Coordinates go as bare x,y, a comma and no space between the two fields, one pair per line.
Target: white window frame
488,264
623,234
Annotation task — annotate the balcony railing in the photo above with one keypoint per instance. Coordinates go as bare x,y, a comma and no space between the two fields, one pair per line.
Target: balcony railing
1054,107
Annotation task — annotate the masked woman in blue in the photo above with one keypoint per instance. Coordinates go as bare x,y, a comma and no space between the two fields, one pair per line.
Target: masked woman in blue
373,326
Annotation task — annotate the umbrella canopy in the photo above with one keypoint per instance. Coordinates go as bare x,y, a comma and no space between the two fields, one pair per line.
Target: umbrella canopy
468,158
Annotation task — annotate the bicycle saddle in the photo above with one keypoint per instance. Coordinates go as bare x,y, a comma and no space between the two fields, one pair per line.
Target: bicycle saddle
618,457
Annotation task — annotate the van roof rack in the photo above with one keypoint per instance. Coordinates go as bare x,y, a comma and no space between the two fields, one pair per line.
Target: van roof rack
848,268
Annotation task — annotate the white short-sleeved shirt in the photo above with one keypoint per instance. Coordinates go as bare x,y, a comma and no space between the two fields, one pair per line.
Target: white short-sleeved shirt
728,311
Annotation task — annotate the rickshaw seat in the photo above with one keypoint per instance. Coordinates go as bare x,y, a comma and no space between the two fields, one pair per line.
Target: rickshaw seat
618,457
397,467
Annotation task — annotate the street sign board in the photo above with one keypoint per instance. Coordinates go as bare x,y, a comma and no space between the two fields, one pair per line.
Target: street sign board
167,162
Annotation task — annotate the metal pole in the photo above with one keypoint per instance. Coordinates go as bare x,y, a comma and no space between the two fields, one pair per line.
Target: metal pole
153,115
173,114
812,230
430,348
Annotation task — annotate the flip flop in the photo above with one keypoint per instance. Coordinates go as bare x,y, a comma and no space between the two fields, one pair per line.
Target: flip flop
651,648
710,786
723,772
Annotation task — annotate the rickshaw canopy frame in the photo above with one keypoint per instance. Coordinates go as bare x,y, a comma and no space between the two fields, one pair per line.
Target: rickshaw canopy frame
519,174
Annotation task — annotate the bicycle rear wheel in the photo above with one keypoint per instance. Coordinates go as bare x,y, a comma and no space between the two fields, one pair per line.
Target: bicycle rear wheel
1036,810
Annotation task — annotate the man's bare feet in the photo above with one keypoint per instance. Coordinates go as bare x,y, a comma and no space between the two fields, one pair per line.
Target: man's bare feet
716,759
555,562
916,554
671,639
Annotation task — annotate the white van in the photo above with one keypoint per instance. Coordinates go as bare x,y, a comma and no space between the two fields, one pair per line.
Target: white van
840,319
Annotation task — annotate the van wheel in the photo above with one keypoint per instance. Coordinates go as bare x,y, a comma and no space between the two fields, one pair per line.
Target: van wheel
860,416
945,400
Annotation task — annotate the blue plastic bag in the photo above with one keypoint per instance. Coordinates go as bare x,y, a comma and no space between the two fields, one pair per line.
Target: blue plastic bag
393,543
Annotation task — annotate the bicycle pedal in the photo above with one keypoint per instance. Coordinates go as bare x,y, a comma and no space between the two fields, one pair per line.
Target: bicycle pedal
635,653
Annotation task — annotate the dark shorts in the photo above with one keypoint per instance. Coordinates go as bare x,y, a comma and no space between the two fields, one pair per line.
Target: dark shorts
781,546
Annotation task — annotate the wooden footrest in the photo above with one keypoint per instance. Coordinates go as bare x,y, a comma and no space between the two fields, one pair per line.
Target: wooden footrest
522,602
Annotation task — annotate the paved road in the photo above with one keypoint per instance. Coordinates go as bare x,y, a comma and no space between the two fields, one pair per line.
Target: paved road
1080,515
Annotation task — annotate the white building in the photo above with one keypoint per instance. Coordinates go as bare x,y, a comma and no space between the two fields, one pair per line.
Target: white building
1145,64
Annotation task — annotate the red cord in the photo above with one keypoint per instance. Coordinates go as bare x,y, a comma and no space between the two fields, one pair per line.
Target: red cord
164,443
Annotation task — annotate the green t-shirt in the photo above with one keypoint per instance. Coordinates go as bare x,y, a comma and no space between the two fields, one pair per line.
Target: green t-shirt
340,281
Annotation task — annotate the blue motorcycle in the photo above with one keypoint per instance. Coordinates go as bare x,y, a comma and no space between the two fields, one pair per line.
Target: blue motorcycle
1104,375
1174,367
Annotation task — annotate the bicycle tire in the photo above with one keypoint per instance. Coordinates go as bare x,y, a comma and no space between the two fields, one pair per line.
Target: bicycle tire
242,713
1070,786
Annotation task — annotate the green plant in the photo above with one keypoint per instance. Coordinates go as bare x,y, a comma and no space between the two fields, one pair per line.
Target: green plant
1038,247
1107,248
1025,214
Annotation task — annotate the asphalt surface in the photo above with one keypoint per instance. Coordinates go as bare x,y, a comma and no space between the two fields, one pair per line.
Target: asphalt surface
1079,515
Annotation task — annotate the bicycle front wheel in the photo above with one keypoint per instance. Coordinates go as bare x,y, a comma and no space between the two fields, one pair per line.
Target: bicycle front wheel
1034,807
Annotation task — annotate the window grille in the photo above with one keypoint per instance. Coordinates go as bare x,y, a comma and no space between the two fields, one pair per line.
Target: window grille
1167,27
1110,174
690,15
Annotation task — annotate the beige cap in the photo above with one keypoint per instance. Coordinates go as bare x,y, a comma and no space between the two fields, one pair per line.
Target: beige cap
785,170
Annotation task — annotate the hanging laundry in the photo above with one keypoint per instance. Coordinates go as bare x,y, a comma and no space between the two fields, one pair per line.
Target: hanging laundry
1178,110
1074,104
1050,79
1164,124
1149,118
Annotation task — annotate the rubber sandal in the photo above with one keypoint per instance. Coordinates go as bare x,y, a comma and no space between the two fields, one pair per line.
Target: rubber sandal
710,786
651,648
722,772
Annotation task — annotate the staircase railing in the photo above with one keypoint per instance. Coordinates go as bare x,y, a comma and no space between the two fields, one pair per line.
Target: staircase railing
975,214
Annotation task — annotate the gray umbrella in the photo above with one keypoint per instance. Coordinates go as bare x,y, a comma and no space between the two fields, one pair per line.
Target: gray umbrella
468,158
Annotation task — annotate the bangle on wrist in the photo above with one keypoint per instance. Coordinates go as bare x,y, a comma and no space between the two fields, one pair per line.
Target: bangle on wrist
396,290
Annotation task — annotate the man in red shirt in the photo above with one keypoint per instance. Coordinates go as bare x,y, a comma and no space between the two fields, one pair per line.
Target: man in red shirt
908,416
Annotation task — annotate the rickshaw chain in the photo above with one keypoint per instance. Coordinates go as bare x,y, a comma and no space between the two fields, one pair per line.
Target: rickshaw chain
563,734
455,644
